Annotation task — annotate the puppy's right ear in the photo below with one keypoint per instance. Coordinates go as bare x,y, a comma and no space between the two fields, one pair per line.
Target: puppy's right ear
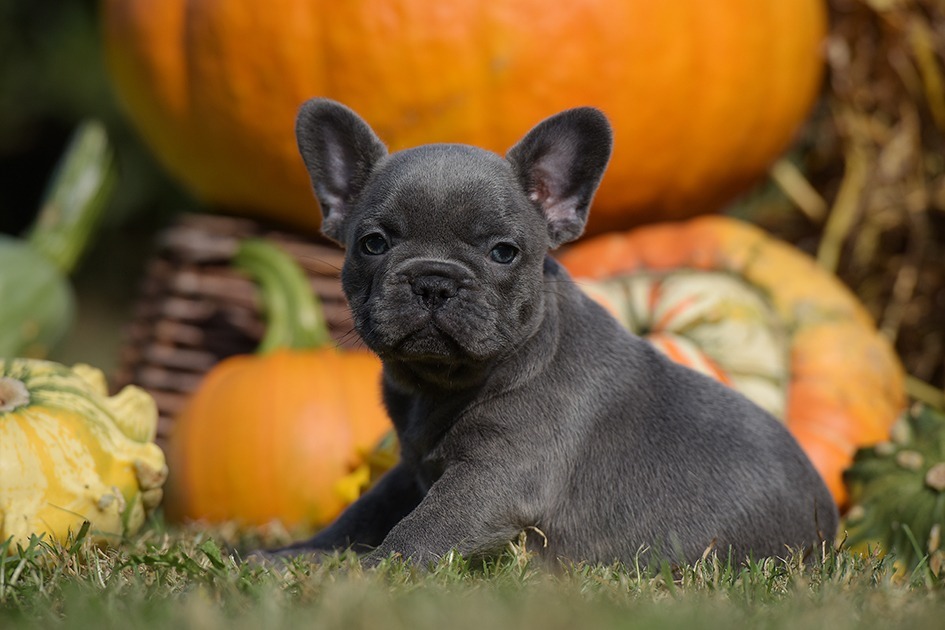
559,164
340,151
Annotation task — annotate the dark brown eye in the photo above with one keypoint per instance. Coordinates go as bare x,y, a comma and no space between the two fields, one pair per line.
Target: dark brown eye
503,253
374,244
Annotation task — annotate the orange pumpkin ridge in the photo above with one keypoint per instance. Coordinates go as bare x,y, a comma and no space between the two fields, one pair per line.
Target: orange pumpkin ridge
703,96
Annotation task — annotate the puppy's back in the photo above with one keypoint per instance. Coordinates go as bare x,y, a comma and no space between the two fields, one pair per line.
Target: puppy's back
677,461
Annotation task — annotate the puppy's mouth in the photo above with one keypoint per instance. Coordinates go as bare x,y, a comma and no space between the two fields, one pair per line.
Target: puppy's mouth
429,342
438,337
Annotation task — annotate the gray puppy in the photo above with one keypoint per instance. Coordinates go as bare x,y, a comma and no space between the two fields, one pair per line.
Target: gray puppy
518,401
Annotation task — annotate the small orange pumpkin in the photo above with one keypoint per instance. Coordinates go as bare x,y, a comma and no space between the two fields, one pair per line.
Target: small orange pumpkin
285,434
703,95
723,297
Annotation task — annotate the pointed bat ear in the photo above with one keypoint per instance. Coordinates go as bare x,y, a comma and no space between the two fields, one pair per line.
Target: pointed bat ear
560,163
340,151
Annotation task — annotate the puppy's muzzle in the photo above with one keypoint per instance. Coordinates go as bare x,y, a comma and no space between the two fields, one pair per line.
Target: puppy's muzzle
435,282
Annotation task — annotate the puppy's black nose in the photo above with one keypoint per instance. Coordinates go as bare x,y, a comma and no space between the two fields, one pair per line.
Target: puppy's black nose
434,290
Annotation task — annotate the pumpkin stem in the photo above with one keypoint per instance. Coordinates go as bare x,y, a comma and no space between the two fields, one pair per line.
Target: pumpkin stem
76,198
13,394
294,317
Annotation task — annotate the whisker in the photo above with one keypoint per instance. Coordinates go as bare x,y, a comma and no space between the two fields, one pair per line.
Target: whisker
348,337
319,260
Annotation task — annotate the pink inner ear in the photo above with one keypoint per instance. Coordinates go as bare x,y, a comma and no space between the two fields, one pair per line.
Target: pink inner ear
561,211
336,170
547,186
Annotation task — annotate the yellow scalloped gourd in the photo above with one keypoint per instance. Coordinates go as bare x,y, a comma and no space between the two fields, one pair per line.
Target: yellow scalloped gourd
69,453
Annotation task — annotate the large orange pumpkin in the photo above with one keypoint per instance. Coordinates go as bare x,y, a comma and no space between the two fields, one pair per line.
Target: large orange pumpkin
727,299
703,95
283,435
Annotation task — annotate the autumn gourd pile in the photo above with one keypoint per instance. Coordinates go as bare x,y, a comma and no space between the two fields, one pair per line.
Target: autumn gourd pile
72,458
703,96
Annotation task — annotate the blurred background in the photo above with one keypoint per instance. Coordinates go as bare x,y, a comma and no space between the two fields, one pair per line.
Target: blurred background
52,76
881,224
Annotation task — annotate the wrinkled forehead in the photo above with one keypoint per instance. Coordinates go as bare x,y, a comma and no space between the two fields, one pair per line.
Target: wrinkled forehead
444,183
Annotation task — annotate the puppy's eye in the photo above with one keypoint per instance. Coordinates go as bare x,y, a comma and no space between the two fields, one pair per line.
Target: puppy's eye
503,253
374,244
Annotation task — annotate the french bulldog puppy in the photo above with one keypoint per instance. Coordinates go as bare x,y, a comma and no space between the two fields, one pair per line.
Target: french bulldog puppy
519,402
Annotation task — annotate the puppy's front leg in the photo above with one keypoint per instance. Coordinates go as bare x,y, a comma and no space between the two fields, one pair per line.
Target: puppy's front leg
365,523
468,509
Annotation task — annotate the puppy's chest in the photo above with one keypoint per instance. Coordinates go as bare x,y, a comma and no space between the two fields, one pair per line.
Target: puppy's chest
423,430
428,468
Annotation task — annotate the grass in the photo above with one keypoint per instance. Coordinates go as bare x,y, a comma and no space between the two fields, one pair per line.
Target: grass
185,579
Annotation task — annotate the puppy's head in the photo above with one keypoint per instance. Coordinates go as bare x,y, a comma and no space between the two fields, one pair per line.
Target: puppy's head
446,243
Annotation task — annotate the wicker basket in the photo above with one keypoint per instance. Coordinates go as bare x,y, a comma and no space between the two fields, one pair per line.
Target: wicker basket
195,309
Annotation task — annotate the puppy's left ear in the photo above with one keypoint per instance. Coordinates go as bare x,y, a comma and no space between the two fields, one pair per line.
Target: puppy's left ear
560,163
340,151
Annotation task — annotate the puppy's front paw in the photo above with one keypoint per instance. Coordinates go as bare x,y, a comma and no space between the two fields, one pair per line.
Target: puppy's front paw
279,559
373,559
